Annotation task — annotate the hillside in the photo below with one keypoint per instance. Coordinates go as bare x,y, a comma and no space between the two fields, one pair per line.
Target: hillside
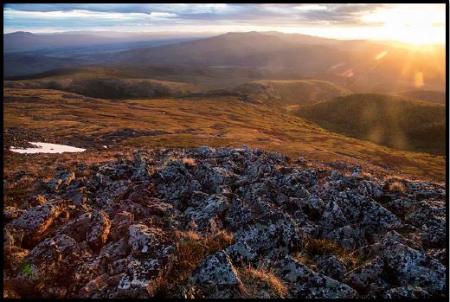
387,120
359,65
289,93
426,95
107,86
80,121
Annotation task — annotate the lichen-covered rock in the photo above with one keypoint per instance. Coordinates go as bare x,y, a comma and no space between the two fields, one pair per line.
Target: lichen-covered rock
120,224
305,283
207,210
143,239
114,232
332,217
37,220
331,266
349,236
11,213
241,252
413,267
216,269
275,231
49,265
176,183
406,292
62,179
361,277
430,216
99,230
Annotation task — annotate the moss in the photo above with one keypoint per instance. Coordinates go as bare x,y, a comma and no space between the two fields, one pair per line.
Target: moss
27,270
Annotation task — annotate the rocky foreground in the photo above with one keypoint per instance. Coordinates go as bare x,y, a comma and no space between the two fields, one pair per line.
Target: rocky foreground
226,223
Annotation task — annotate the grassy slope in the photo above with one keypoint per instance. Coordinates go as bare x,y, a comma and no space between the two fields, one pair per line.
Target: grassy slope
426,95
192,122
291,93
387,120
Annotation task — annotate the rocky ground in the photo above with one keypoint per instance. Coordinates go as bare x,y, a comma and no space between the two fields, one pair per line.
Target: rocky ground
226,223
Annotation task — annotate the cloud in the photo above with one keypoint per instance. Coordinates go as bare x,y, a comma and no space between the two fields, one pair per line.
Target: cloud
307,7
207,17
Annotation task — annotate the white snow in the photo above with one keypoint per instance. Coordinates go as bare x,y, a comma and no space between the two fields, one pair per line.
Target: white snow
46,148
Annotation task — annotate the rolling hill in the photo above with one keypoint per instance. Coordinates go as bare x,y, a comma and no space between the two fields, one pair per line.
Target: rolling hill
104,83
392,121
360,66
426,95
290,93
220,121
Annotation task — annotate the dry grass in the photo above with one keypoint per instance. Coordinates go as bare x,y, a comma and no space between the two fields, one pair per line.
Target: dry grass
319,247
190,162
395,185
193,122
260,283
191,249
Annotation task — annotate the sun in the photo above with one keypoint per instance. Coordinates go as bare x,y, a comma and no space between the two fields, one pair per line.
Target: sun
416,24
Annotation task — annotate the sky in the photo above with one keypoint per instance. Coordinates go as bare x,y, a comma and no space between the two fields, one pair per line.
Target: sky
411,23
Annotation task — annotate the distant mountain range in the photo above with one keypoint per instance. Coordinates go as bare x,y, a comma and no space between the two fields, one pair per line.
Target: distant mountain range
358,65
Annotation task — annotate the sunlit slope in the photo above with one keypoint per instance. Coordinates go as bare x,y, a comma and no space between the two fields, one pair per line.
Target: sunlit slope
219,121
106,84
426,95
290,92
387,120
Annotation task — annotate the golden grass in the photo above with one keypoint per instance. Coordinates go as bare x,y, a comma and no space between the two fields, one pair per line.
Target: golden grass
218,121
261,283
191,249
188,161
318,247
395,185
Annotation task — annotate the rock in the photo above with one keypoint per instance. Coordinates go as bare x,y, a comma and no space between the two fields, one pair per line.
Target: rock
120,224
331,266
94,286
349,237
62,179
143,239
211,178
430,217
332,217
49,266
176,183
208,210
276,231
11,213
305,283
240,252
412,267
99,230
112,233
406,292
76,196
37,220
361,277
77,228
216,269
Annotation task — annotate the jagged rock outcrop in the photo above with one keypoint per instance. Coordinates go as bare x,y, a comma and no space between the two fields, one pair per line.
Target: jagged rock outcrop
115,231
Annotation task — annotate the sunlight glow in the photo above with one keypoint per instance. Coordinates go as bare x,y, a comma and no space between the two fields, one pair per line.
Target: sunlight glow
381,55
414,23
